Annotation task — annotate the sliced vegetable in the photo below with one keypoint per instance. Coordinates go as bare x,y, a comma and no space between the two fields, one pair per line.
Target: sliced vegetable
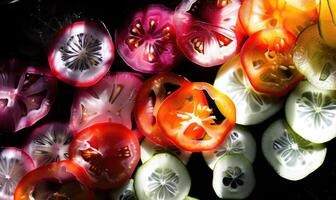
147,41
110,100
311,112
268,61
239,141
108,152
190,124
327,22
49,143
14,165
252,107
291,156
153,92
314,59
208,32
162,177
149,149
233,177
293,15
60,180
81,53
26,95
125,192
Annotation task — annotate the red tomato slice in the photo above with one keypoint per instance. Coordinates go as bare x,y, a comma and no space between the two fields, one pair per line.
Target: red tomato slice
26,95
293,15
147,43
81,53
61,180
268,61
149,99
109,153
110,100
208,32
187,120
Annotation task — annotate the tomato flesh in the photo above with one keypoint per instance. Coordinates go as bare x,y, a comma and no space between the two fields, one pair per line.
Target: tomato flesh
292,15
190,124
268,61
108,152
208,32
146,106
69,178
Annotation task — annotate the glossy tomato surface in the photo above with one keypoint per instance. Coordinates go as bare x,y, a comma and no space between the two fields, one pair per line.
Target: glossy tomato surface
267,59
292,15
151,95
108,152
61,180
187,120
147,42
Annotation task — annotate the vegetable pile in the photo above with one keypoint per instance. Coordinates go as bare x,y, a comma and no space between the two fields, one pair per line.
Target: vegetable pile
130,130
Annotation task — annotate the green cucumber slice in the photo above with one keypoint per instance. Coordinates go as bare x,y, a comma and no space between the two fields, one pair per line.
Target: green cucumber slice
149,149
314,59
311,112
190,198
291,156
126,192
162,177
239,141
233,177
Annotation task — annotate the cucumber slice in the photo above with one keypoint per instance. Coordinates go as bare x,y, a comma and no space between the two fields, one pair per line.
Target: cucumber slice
190,198
239,141
326,23
251,107
149,149
233,177
314,59
162,177
126,192
291,156
311,112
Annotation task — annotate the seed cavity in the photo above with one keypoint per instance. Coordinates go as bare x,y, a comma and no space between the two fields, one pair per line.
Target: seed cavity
233,178
82,52
198,44
162,184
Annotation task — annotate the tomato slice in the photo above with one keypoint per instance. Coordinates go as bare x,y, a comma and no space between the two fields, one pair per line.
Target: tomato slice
187,120
147,42
293,15
208,32
26,95
268,61
110,100
60,180
327,21
149,99
81,53
108,152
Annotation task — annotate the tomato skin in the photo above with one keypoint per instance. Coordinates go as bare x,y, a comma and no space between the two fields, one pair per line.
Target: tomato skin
109,153
187,120
147,126
268,62
59,172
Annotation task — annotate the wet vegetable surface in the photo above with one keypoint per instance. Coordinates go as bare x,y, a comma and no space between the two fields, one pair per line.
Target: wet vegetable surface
19,38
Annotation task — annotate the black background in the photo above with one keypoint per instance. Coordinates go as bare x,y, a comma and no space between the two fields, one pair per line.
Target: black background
19,25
